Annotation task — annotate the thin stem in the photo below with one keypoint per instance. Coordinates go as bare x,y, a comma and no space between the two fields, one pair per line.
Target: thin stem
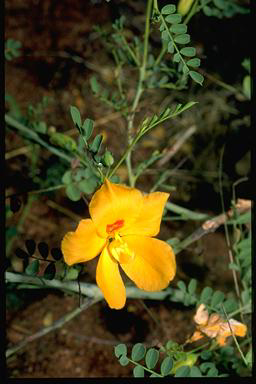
139,91
33,135
161,54
63,210
129,49
37,191
193,10
231,259
234,337
86,289
124,156
221,83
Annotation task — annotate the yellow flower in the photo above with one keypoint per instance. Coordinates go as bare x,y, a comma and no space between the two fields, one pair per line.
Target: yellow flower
214,326
121,227
184,6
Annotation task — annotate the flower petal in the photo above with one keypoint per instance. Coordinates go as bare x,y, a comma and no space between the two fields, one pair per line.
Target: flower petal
149,220
109,280
113,203
82,245
153,265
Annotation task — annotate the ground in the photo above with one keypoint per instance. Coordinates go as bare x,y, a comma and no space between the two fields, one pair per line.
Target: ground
84,346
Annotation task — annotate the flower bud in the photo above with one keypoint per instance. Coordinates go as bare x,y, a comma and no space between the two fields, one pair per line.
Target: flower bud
184,6
108,158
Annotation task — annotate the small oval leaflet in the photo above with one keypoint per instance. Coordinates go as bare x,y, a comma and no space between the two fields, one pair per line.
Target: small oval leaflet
197,77
50,271
182,39
31,246
152,357
167,9
120,350
67,177
177,57
188,51
138,371
21,254
43,249
217,298
56,253
123,360
173,19
170,48
195,372
183,371
76,117
33,268
179,28
73,192
138,352
206,294
164,35
88,128
192,286
96,144
182,286
194,62
166,366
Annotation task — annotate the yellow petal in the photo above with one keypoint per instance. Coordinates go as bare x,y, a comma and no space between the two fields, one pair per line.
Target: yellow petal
114,203
109,280
238,328
153,265
82,245
149,220
197,335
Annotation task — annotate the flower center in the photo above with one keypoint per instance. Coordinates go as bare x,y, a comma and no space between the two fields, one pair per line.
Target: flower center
115,226
119,249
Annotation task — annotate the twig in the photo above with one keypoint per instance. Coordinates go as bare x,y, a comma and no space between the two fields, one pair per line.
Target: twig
17,152
57,324
229,87
33,135
63,210
211,225
174,149
234,337
37,191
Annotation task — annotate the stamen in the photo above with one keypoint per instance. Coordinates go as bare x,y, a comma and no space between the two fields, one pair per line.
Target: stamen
120,251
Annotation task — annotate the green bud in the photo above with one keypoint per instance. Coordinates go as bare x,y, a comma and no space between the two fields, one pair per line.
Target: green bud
108,158
190,360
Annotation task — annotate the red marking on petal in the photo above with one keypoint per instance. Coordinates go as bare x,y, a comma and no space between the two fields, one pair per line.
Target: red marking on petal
116,225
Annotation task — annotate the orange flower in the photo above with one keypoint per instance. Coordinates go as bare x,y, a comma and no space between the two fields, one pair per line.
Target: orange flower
120,229
214,326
